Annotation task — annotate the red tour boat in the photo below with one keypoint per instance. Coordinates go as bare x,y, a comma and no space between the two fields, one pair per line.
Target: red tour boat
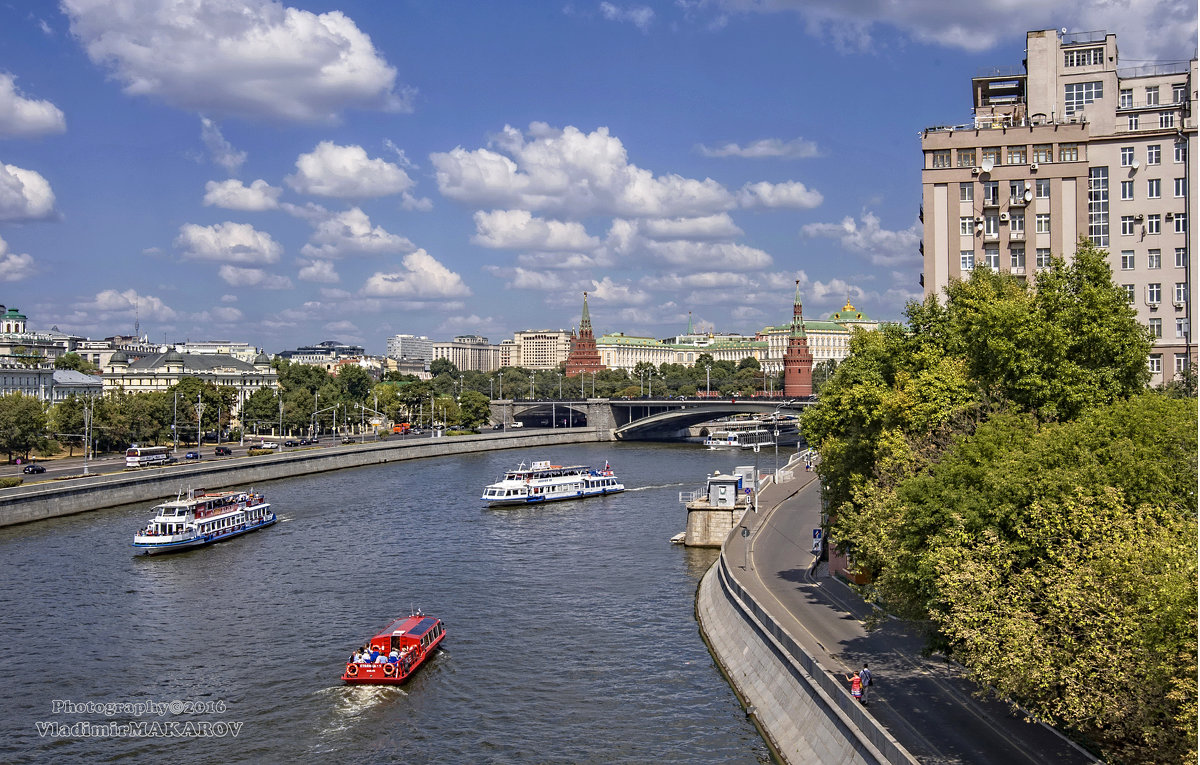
396,652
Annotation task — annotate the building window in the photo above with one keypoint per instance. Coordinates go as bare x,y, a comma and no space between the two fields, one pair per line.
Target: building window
1128,261
1181,292
1068,152
991,193
1126,190
1016,254
1127,224
1154,224
1180,153
1125,98
1016,155
1042,256
1041,223
990,154
1154,188
1181,361
1098,206
1079,94
1016,192
1153,154
1126,156
1178,93
1016,225
940,158
991,226
1156,327
1166,119
1152,95
1131,122
991,256
1083,56
1155,363
966,225
966,259
1153,293
966,192
1129,293
1180,188
1043,152
966,158
1042,188
1154,259
1181,328
1181,257
1180,223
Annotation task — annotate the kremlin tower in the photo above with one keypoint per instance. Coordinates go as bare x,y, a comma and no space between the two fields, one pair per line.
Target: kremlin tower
797,360
584,357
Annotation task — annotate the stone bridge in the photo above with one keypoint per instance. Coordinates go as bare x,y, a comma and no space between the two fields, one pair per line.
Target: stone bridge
634,419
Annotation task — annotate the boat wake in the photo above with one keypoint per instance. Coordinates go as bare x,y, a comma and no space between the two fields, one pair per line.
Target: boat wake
352,701
657,486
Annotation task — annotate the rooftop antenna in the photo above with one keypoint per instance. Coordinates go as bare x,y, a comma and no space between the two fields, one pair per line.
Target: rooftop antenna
137,322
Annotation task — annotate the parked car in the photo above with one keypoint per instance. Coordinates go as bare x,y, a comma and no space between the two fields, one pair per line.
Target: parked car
223,451
305,442
291,442
268,445
192,456
349,440
34,469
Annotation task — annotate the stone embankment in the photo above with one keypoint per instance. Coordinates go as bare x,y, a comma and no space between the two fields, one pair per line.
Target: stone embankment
35,502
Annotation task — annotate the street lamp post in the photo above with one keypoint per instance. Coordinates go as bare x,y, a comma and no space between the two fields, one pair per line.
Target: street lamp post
531,386
199,419
707,380
175,426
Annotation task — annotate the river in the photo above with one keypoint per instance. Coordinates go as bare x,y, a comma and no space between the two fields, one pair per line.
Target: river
570,629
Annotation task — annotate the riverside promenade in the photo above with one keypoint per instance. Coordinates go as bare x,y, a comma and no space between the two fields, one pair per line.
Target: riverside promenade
786,634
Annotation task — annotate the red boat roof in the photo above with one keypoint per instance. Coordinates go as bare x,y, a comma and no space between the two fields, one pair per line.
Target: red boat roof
415,626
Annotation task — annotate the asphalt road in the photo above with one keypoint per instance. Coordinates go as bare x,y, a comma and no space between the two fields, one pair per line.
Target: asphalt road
925,702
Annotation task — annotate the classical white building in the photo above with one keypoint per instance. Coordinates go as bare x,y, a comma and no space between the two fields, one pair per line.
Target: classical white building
162,371
827,339
469,352
242,351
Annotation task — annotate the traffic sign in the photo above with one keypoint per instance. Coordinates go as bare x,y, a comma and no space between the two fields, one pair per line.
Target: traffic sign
816,533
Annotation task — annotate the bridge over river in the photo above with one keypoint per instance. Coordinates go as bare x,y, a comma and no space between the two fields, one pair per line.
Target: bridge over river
638,418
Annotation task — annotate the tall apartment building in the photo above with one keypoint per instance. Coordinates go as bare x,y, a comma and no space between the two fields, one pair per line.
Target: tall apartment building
410,347
539,348
469,352
1074,145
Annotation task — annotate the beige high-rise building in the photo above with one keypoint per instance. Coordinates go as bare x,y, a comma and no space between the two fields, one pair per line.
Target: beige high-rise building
1075,144
539,348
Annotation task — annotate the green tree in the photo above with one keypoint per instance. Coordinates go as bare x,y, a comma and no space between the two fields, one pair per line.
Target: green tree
443,367
474,409
75,362
22,424
66,419
260,409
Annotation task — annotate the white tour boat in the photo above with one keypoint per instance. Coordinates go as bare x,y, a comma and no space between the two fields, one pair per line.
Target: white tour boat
196,520
543,482
739,439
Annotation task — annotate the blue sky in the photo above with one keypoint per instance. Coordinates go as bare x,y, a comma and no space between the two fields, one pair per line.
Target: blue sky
285,173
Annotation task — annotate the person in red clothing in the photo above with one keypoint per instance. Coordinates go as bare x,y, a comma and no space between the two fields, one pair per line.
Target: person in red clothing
855,687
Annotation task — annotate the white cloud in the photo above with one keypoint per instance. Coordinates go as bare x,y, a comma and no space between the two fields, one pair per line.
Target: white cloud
253,277
14,266
350,232
881,247
227,242
709,227
570,174
110,303
345,172
251,58
567,261
229,298
226,314
415,204
530,279
422,277
232,194
640,16
24,195
221,151
319,271
766,148
519,230
791,194
708,255
341,327
609,291
24,117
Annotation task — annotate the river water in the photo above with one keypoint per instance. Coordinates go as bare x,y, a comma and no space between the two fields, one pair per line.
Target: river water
570,628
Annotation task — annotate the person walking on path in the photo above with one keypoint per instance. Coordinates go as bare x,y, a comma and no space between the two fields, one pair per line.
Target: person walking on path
856,687
864,678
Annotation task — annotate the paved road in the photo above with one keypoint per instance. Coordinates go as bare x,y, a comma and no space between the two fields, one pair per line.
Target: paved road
925,702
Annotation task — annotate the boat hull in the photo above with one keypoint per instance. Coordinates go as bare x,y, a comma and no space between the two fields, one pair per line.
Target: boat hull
378,674
200,540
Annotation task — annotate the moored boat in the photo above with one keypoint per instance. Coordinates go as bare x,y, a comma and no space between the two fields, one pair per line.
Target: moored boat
544,482
392,655
197,520
739,439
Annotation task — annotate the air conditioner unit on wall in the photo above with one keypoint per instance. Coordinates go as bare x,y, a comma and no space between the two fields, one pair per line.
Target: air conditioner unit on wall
1003,216
1178,304
974,171
1170,216
1139,217
1033,166
979,219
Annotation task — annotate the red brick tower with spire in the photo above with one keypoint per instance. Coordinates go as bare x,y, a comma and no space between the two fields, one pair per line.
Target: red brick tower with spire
583,356
797,360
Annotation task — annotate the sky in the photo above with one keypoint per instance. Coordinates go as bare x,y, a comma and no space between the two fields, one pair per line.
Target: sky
286,173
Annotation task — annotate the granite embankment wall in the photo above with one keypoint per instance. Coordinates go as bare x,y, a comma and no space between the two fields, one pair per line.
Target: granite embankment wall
24,504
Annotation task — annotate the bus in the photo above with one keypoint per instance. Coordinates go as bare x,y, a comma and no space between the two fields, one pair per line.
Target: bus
140,456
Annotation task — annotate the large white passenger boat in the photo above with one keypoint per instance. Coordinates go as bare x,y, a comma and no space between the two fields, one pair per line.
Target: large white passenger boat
543,482
197,520
739,439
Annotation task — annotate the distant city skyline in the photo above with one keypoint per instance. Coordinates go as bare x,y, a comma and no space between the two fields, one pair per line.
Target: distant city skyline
287,173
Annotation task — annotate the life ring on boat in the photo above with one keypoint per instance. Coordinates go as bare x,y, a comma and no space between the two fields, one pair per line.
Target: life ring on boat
351,670
389,669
